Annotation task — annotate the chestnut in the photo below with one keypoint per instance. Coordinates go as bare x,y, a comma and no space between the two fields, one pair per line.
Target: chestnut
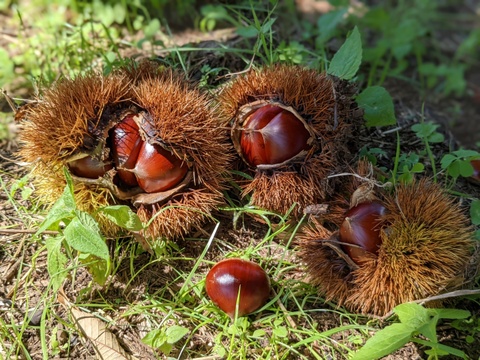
89,167
157,169
361,226
272,135
476,169
231,276
126,144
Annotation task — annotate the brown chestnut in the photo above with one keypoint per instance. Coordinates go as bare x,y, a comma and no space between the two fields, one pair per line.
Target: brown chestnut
272,135
361,226
89,167
158,169
126,144
231,276
476,169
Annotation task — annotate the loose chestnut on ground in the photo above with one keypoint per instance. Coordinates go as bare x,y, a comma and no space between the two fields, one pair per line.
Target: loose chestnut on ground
230,277
424,249
292,127
141,136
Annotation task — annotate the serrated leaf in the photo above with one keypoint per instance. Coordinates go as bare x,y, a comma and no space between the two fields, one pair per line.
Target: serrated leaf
377,105
175,333
346,62
384,342
56,261
123,216
83,235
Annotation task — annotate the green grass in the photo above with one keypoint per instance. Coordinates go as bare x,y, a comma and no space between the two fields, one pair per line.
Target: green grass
146,294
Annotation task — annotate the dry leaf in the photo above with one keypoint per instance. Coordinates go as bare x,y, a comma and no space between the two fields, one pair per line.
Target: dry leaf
103,340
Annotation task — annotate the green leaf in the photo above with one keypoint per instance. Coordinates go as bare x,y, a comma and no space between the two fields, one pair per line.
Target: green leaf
475,212
123,216
377,105
99,268
463,153
424,130
56,262
436,138
466,168
328,22
384,342
155,338
429,330
450,313
447,160
346,61
413,315
247,32
62,210
454,169
83,234
175,333
280,332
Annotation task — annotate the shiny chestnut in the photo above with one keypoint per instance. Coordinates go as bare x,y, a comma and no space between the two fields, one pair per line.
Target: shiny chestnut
142,164
89,167
361,226
231,276
476,169
272,135
158,169
126,144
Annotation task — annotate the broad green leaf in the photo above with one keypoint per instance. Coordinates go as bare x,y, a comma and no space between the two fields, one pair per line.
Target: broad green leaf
413,315
165,348
466,168
436,138
346,61
83,235
175,333
447,160
429,330
328,22
62,210
450,313
454,169
249,31
438,349
377,105
99,268
56,261
155,338
280,332
418,167
475,212
424,130
466,153
123,216
384,342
